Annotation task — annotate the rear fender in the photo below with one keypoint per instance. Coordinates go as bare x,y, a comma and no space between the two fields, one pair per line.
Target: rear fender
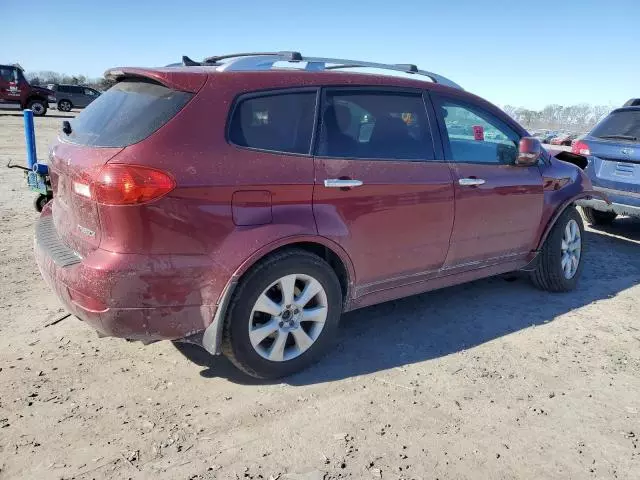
212,336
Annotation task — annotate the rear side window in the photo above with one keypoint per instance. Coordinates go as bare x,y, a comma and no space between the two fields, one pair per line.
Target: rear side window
619,125
127,113
375,125
276,122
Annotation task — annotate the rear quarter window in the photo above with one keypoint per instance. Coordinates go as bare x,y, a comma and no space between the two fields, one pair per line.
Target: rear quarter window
127,113
281,122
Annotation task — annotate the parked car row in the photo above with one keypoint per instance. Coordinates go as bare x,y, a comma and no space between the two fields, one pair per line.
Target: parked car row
556,137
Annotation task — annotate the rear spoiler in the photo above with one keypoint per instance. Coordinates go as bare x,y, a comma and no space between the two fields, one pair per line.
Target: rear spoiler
187,80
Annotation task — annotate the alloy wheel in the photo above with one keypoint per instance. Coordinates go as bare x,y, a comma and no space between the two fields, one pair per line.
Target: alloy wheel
288,317
571,249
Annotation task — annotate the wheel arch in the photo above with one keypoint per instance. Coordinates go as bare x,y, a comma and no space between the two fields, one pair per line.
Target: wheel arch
325,248
560,210
33,97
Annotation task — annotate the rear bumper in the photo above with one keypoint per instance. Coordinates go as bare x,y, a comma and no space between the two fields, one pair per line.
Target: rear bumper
138,297
619,208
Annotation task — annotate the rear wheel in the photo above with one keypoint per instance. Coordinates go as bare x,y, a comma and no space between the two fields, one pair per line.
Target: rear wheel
596,217
40,202
38,107
64,106
560,260
284,315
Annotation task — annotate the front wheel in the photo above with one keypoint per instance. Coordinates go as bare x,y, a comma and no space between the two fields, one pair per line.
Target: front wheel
561,258
64,106
38,107
283,316
596,217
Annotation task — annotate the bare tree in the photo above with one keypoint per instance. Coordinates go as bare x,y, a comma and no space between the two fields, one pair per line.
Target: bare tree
49,77
575,118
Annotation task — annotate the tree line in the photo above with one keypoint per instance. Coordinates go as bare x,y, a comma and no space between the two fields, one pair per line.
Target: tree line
574,118
43,78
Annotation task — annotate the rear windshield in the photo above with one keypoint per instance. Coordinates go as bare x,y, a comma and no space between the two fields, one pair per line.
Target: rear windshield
127,113
624,123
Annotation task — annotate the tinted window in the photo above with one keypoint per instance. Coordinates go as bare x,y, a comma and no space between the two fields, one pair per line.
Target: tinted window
383,125
625,123
63,89
477,136
127,113
277,122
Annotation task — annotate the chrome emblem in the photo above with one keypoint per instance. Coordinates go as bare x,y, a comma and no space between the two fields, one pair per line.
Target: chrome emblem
86,231
626,151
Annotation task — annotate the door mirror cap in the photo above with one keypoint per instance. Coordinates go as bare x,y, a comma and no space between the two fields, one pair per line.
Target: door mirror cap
529,152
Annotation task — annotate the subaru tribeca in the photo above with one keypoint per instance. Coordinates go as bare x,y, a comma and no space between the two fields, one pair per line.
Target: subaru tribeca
612,149
245,207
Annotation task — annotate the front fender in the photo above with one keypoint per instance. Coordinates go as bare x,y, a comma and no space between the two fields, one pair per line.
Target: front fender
584,195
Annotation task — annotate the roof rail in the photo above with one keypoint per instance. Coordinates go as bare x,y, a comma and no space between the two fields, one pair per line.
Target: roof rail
266,60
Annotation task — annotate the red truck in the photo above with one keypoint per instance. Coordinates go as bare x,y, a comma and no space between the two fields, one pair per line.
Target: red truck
17,93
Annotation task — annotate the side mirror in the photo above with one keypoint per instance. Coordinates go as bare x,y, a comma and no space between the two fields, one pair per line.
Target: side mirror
529,152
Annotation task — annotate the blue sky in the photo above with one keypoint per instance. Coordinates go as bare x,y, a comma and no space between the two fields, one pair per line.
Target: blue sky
556,51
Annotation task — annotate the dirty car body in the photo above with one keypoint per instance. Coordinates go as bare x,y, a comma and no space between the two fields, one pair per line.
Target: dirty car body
159,224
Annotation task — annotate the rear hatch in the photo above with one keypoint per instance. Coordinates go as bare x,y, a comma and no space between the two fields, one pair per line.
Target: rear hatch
614,148
126,114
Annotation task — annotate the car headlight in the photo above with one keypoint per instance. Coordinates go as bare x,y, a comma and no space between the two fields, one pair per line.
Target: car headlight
51,98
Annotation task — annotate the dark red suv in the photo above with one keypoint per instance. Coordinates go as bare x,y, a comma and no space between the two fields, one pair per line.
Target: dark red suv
244,207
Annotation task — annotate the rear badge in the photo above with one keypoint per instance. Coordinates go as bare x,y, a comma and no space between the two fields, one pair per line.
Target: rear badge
86,231
627,151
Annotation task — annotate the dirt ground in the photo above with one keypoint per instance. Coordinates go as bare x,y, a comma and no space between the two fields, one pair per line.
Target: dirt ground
491,379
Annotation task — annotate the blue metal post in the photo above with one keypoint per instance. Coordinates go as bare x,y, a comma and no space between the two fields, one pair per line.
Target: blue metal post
30,137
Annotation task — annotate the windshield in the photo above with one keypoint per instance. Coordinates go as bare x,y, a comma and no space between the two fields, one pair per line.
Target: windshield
622,125
127,113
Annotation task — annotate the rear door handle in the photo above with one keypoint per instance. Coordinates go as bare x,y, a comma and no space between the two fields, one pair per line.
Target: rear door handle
340,183
470,182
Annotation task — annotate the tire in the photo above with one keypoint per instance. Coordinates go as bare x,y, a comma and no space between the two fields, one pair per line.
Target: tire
38,107
596,217
550,274
65,105
265,360
40,202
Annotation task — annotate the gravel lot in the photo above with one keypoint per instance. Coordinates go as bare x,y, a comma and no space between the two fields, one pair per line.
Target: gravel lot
491,379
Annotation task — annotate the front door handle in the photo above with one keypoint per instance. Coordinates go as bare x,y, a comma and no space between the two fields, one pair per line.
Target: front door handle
340,183
470,182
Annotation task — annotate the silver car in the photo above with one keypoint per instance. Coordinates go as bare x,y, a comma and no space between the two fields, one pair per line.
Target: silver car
73,96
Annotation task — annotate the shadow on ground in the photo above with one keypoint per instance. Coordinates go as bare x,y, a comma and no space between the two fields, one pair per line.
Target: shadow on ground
446,321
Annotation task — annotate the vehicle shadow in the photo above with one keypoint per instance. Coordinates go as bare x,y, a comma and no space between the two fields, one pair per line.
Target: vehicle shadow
624,227
446,321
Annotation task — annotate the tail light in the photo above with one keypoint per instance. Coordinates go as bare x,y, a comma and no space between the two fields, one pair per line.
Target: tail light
118,184
580,148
